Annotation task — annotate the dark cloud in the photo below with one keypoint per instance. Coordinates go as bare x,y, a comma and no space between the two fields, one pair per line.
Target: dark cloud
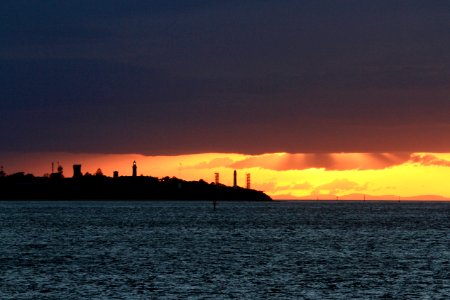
328,161
215,163
429,160
164,77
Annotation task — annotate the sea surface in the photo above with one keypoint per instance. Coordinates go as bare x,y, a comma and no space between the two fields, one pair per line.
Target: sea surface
186,250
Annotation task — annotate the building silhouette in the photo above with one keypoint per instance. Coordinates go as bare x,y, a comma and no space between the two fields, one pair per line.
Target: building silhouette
116,174
235,179
77,171
134,169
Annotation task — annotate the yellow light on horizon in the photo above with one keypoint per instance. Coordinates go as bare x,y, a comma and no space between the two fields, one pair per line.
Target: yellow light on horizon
280,175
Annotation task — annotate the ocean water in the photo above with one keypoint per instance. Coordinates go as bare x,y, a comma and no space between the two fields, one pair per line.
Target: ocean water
185,250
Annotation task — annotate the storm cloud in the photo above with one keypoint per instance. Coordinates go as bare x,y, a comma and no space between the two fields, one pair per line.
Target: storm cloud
173,77
327,161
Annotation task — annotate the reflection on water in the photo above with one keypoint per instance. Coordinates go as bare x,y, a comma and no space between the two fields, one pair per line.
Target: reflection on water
139,250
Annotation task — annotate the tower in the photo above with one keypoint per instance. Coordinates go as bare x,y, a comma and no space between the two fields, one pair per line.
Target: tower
216,178
134,169
77,171
235,179
248,181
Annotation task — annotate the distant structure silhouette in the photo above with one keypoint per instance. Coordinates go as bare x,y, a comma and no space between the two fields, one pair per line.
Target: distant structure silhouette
235,179
2,173
59,173
21,186
248,180
134,169
216,178
77,171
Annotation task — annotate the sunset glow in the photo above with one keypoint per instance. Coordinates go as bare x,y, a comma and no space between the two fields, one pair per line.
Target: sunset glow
378,176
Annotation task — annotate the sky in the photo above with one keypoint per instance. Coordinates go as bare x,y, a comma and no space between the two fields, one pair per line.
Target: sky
317,82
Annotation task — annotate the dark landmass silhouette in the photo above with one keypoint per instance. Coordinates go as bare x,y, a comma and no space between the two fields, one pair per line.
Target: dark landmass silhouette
22,186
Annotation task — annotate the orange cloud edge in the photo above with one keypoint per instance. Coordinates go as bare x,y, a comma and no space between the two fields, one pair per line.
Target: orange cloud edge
284,176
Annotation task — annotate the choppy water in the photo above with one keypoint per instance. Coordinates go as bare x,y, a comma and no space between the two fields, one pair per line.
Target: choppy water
281,250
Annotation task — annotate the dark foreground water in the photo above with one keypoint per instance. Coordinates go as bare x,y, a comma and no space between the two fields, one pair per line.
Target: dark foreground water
281,250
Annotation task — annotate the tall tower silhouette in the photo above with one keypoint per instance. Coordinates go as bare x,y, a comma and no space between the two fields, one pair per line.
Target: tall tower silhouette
216,178
235,179
248,180
134,169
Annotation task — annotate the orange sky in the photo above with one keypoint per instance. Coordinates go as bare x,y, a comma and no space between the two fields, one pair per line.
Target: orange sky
281,175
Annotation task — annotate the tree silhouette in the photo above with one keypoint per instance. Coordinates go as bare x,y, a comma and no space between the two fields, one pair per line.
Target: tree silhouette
99,173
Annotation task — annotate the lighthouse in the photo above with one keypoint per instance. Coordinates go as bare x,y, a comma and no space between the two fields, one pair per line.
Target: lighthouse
235,179
134,169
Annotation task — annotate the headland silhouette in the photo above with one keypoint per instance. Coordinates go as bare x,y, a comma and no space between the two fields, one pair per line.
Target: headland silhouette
55,186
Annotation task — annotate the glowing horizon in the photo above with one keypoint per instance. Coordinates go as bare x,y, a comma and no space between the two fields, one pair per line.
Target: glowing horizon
349,176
